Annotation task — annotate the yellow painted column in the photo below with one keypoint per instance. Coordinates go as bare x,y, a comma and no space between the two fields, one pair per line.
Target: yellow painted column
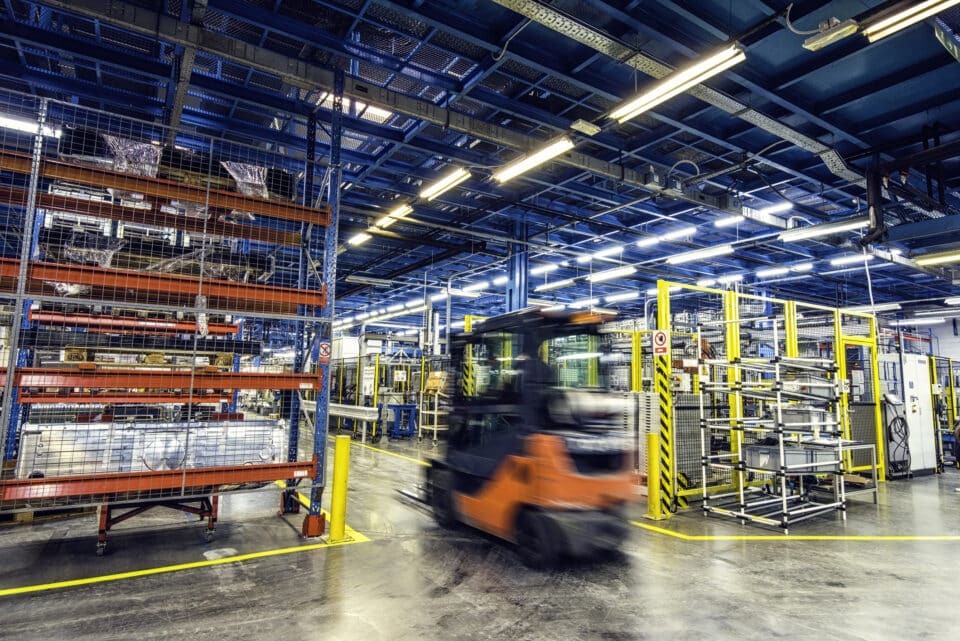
654,507
664,484
731,314
636,363
877,414
338,498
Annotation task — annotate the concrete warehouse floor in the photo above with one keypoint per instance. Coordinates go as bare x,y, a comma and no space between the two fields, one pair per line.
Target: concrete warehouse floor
412,580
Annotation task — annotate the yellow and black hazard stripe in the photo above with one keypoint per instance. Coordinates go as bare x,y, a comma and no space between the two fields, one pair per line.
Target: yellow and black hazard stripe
468,384
664,394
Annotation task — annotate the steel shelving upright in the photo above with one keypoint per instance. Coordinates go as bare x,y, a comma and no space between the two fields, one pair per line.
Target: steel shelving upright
136,275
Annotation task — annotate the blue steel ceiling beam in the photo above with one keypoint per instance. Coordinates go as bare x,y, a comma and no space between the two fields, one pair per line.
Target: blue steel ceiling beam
281,24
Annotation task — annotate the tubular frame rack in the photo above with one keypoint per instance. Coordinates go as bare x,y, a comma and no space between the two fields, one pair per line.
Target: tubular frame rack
178,335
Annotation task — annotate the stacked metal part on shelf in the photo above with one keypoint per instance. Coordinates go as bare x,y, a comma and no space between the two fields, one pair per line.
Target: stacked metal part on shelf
147,274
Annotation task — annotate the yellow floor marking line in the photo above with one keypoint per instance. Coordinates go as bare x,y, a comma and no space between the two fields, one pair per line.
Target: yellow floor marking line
59,585
791,537
352,536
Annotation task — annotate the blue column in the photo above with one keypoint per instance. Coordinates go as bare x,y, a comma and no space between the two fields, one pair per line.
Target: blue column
517,285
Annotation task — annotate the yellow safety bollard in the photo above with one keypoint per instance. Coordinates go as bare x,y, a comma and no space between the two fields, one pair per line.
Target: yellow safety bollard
653,477
338,500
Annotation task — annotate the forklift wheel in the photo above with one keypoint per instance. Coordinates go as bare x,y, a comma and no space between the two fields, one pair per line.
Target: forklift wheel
538,542
441,498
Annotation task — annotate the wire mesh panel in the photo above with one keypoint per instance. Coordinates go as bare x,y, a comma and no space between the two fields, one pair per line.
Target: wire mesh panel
160,339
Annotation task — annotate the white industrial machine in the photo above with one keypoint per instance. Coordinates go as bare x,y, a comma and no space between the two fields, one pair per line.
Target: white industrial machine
907,377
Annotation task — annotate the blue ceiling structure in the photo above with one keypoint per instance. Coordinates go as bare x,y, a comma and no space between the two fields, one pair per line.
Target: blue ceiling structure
433,85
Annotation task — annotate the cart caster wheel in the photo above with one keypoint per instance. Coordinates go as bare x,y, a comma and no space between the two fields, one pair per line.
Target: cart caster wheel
436,442
101,548
209,535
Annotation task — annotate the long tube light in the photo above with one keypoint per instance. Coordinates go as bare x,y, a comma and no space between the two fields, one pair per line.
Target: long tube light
801,267
683,232
700,254
358,239
557,284
953,300
680,81
850,260
619,298
445,184
476,287
535,159
394,215
938,259
608,251
779,208
730,278
772,272
28,126
881,307
729,221
903,19
610,274
828,229
584,302
543,269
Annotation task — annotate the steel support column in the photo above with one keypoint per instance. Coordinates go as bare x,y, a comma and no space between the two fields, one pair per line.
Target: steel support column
517,285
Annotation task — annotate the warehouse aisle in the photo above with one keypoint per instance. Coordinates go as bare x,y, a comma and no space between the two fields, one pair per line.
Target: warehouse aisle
415,581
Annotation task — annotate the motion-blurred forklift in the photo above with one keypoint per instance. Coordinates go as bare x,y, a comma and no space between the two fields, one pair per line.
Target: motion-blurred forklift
536,453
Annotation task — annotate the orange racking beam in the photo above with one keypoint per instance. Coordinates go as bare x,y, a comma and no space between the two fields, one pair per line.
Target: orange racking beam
152,217
161,188
132,286
126,482
142,325
47,378
108,398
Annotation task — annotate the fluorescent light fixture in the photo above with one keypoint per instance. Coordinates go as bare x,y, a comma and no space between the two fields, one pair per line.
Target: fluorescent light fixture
557,284
827,229
880,307
476,287
462,293
445,184
28,127
649,241
772,271
730,278
363,316
618,298
501,280
919,321
394,215
680,81
610,274
653,291
438,297
368,280
608,251
584,302
584,127
579,356
729,221
801,267
938,259
584,258
779,208
700,254
559,307
413,303
903,19
831,31
525,164
850,260
706,282
683,232
359,239
543,269
953,300
395,308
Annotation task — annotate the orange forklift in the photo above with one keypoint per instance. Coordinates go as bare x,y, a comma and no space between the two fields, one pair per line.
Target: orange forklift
536,452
